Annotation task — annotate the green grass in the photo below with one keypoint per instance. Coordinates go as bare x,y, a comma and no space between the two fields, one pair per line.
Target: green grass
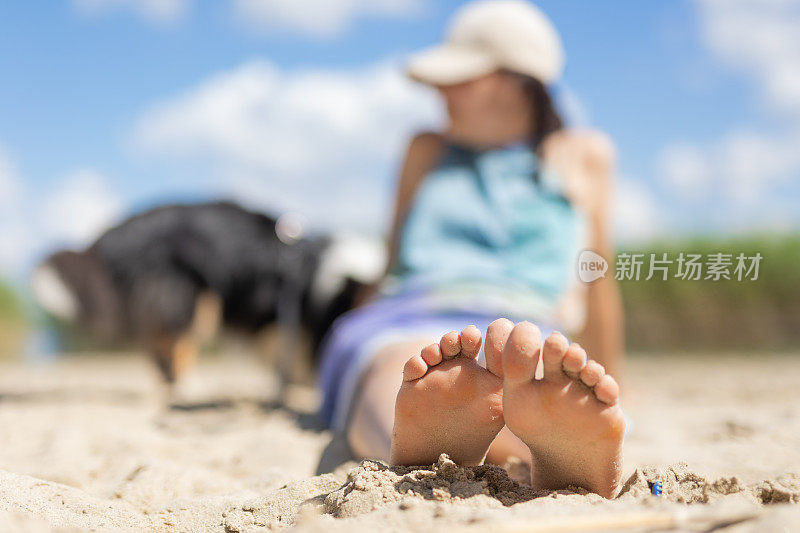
10,306
12,321
721,315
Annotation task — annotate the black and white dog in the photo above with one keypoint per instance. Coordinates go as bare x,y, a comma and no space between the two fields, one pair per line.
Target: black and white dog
164,279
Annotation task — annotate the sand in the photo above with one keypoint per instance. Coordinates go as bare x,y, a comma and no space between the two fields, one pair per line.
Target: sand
88,444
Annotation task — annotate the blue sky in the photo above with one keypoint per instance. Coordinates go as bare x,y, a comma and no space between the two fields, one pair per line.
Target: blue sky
107,106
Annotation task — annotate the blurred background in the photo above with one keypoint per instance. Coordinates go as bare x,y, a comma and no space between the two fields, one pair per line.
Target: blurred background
108,107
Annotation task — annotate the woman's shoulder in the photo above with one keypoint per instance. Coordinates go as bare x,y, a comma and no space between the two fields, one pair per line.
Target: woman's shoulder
585,161
592,144
424,150
426,142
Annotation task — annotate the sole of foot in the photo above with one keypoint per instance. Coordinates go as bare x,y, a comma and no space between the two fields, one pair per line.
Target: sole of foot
448,403
570,419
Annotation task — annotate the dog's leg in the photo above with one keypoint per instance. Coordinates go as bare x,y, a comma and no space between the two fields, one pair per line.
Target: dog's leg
174,356
207,318
288,360
184,356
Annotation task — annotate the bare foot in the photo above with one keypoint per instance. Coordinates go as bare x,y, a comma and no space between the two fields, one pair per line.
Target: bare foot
448,403
570,419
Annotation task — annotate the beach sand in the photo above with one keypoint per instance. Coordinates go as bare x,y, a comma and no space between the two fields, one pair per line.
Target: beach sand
88,444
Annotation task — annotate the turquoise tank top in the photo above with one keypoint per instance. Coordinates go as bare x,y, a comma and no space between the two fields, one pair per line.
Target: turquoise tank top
490,228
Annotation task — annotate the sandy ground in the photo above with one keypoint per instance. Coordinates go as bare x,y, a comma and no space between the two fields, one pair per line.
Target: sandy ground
88,444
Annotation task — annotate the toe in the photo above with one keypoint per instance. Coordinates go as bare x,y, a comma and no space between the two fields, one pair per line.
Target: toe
592,373
521,353
432,355
574,360
470,341
496,336
607,390
414,368
555,346
450,345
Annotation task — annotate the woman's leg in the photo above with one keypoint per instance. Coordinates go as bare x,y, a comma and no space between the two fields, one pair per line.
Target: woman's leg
369,431
507,445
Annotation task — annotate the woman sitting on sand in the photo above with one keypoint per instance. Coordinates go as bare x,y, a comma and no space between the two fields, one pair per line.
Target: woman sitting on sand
483,230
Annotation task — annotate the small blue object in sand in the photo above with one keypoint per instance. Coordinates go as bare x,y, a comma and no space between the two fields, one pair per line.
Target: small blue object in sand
655,488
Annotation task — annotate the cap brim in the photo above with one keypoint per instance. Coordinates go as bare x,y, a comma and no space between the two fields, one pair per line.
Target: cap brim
448,65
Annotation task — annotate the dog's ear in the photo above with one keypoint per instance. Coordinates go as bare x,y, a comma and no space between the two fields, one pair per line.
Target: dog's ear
76,288
52,292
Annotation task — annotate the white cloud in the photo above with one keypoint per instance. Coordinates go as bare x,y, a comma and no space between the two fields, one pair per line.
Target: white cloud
739,167
324,142
158,11
745,168
636,213
9,185
71,213
760,38
684,170
318,17
79,208
13,230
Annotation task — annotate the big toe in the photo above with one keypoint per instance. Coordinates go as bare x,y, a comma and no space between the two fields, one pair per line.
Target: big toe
496,337
521,353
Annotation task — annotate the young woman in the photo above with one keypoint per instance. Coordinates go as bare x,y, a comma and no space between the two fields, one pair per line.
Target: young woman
491,214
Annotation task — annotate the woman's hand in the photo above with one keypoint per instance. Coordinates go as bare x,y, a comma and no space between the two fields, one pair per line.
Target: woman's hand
585,161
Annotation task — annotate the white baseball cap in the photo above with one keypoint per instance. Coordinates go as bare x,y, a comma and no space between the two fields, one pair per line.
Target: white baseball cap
488,35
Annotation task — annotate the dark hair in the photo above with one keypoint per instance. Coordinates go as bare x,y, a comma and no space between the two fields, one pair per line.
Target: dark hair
544,117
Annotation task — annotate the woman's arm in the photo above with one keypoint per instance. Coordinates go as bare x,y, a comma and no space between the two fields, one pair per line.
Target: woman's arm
421,156
587,162
603,332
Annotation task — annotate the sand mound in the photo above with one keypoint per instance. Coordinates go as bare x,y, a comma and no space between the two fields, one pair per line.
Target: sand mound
59,506
421,497
374,484
681,485
282,507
